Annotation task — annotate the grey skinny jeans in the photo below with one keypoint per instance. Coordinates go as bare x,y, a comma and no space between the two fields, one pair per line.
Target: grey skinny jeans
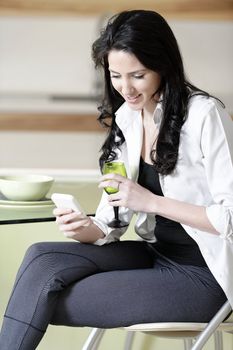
122,283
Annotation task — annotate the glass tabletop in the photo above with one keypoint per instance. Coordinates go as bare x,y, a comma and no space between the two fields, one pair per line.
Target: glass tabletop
26,215
17,213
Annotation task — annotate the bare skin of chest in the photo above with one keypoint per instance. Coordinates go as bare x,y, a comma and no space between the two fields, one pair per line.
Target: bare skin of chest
150,133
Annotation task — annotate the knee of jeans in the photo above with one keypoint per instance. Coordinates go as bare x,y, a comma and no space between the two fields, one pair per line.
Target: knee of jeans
36,250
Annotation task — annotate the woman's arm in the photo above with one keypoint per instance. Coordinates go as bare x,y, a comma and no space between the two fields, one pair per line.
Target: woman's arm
139,199
184,213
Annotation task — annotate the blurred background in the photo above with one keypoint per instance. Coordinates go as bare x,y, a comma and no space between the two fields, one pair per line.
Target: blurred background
49,93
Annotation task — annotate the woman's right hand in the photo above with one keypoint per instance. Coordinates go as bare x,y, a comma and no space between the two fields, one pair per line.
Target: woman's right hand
70,222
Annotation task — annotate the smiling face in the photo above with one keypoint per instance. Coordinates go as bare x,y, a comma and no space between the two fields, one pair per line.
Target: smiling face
134,82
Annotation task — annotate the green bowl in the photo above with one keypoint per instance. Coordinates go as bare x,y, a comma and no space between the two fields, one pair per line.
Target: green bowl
25,187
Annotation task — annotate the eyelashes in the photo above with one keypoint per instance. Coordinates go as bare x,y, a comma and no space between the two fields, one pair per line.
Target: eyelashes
135,76
139,76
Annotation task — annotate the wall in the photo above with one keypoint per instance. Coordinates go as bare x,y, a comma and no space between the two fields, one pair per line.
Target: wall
50,150
206,47
42,55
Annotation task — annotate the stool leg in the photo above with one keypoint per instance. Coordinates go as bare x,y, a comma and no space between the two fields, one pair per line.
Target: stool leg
212,326
188,343
93,339
129,340
98,340
218,342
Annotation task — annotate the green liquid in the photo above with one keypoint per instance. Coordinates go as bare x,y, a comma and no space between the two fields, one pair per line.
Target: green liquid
114,168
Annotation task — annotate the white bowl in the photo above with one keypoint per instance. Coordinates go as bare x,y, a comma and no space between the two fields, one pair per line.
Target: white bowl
25,187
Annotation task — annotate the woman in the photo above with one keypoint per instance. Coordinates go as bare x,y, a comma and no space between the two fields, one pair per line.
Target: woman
180,184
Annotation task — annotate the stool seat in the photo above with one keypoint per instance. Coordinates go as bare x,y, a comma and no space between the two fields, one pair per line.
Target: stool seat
194,334
176,329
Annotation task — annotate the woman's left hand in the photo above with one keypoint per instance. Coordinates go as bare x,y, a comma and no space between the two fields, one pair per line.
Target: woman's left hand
130,194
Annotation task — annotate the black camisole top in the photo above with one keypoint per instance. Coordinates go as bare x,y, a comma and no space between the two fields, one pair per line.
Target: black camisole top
172,240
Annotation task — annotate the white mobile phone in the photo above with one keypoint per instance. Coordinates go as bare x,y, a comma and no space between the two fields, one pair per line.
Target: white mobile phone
68,201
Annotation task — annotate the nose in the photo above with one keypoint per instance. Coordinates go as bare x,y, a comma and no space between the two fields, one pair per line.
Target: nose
126,87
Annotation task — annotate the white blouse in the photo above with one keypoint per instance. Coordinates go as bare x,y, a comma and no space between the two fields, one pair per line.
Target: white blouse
203,176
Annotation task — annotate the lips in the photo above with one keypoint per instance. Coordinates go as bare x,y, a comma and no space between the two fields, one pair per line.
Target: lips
132,99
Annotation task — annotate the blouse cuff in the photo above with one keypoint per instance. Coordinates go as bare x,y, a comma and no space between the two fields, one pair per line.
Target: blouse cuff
221,218
105,229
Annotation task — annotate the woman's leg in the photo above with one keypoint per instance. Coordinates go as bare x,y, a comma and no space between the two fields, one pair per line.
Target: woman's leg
47,269
166,293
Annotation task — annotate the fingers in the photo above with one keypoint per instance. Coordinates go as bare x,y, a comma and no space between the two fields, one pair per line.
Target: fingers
69,234
74,225
70,222
112,176
62,211
115,203
112,180
69,217
109,183
71,225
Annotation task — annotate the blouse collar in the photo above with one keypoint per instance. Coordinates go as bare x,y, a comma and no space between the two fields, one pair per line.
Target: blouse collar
125,116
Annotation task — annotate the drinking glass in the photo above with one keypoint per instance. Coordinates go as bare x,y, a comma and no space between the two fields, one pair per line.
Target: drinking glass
115,167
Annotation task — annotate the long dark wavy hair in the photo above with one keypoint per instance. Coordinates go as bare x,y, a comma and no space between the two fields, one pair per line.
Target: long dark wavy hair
148,36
